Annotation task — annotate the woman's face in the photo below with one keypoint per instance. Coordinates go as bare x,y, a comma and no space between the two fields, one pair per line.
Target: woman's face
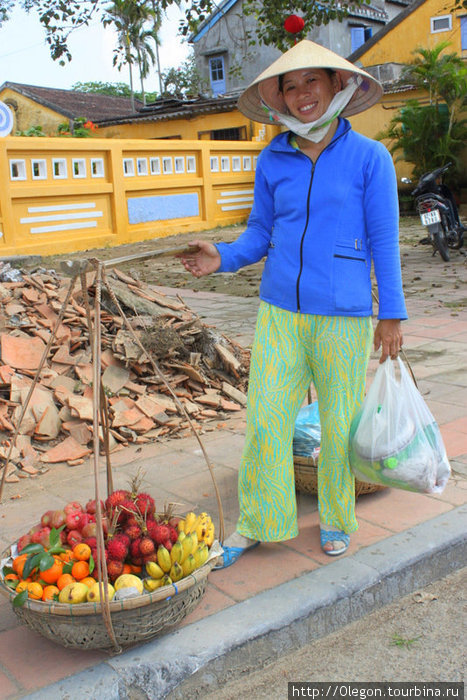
308,92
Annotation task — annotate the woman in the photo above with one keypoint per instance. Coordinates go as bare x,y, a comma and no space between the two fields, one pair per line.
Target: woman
325,208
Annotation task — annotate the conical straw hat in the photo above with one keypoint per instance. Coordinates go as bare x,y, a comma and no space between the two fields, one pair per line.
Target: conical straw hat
305,54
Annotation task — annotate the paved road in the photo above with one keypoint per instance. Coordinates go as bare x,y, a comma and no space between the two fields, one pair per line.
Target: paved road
365,650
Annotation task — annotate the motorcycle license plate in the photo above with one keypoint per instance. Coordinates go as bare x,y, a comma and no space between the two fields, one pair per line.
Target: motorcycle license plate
430,217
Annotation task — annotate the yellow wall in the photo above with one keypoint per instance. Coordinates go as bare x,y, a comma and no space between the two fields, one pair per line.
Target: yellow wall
29,113
189,129
76,194
398,44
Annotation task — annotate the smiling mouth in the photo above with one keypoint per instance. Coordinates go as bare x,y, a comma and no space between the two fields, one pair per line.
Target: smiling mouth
307,108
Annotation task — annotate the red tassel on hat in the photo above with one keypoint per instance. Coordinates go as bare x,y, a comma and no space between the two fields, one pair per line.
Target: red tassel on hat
294,25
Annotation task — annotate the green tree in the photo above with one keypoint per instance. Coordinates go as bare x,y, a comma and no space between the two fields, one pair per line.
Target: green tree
61,17
430,135
184,81
115,89
128,17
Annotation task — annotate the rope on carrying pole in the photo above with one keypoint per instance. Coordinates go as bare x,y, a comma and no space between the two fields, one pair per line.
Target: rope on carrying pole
182,408
96,366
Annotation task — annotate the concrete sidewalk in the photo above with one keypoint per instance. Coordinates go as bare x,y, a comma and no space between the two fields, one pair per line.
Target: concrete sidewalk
280,595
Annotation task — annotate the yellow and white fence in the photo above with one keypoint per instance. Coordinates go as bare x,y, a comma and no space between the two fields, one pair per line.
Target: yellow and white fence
63,195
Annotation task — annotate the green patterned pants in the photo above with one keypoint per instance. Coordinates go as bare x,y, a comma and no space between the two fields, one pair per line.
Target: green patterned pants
290,352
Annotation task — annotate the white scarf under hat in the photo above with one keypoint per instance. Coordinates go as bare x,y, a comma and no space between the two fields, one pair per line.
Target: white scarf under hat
317,130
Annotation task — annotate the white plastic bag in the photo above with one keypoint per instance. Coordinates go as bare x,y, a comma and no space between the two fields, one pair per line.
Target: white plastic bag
394,439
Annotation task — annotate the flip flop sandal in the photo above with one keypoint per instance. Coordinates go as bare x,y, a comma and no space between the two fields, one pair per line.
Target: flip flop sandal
332,536
231,554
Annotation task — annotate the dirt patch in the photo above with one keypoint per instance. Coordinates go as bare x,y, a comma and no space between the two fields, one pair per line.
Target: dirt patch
425,276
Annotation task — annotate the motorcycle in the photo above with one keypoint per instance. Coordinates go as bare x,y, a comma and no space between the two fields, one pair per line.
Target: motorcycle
438,211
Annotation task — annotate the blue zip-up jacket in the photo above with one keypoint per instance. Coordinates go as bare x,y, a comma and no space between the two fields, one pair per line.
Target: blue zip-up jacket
320,224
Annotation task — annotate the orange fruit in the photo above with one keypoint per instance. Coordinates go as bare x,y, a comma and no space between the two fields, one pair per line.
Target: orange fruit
22,586
81,551
35,590
49,592
18,564
79,570
64,580
136,569
127,569
88,581
52,574
66,556
11,577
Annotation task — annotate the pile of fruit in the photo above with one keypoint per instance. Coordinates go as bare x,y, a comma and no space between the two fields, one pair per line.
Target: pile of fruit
144,550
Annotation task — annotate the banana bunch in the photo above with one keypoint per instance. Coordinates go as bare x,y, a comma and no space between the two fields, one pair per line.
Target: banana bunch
186,555
201,524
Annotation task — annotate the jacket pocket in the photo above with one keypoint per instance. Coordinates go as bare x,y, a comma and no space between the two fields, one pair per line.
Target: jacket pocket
352,283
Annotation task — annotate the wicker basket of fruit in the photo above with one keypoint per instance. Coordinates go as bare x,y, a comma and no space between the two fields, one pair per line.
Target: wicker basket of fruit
157,568
114,573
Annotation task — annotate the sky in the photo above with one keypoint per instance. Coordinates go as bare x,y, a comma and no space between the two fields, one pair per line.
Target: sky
25,57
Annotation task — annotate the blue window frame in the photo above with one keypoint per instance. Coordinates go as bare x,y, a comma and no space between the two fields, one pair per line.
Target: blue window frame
217,75
358,36
464,33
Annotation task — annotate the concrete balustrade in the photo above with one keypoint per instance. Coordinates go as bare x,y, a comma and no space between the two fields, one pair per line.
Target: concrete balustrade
63,195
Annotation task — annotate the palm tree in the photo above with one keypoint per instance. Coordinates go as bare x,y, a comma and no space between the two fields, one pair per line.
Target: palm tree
126,15
431,135
145,55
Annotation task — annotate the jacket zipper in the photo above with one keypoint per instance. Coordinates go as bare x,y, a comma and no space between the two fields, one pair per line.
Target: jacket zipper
313,166
304,231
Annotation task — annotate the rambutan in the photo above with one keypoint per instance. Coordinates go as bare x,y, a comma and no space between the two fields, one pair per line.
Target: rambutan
132,520
168,545
146,546
162,533
153,528
94,554
173,534
121,537
145,504
116,499
128,506
116,549
134,548
114,568
133,532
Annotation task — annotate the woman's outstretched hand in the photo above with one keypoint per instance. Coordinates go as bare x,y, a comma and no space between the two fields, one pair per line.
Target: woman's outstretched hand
204,259
388,337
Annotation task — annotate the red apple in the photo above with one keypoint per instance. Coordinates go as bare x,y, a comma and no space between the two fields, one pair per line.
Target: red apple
91,506
58,518
74,537
46,519
89,530
34,529
72,520
73,506
23,541
41,536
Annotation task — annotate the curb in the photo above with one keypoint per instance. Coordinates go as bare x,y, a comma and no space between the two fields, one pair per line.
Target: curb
197,658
